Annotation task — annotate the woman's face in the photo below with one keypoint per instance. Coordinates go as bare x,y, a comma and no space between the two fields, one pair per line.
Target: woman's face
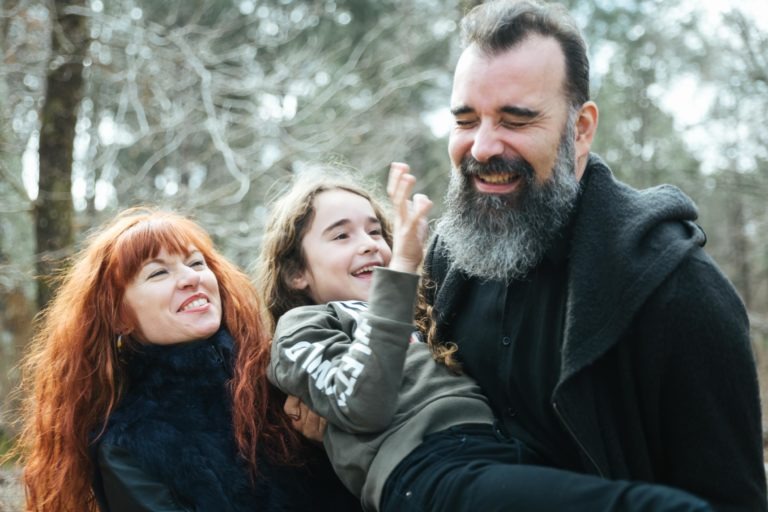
175,298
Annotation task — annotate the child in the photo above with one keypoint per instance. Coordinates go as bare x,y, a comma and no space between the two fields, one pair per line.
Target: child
404,432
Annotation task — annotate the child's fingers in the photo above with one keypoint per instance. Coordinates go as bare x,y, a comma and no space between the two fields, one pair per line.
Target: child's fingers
421,205
402,191
396,170
420,208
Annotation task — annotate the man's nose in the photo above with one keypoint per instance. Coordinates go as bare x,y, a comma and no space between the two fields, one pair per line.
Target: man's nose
487,142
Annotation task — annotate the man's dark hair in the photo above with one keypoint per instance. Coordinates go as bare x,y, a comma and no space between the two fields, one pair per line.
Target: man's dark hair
497,26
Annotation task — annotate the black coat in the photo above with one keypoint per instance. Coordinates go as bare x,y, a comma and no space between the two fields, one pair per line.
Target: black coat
658,381
169,445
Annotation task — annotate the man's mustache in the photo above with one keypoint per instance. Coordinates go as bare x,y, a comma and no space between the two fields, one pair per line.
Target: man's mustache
470,166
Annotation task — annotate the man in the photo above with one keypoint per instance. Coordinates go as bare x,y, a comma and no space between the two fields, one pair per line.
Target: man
603,335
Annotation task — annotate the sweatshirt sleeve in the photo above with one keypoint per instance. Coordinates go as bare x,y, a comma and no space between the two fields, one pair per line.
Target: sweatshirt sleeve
345,359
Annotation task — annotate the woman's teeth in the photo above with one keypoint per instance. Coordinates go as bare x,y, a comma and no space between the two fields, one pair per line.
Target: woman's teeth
195,304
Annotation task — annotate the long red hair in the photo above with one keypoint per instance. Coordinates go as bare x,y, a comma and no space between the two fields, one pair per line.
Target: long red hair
72,375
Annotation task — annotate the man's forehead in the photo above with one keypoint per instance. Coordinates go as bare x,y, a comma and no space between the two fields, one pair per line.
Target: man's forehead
536,63
535,49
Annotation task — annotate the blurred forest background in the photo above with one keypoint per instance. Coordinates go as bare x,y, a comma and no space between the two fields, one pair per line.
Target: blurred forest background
210,106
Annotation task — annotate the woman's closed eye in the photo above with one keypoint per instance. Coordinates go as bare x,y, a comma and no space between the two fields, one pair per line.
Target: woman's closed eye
156,273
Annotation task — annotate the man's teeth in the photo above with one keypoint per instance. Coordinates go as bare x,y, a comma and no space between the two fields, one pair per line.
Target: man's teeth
195,304
498,179
364,270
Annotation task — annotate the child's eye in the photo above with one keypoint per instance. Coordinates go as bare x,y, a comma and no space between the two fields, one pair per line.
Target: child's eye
375,232
341,236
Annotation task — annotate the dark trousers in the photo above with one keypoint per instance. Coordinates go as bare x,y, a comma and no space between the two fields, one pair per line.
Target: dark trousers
477,468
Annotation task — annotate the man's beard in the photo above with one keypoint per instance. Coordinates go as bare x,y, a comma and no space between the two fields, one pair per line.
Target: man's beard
503,237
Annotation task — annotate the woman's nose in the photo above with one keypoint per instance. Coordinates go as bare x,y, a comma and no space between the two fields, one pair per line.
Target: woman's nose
189,278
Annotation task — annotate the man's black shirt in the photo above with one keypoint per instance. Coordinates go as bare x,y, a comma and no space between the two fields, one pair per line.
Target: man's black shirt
512,334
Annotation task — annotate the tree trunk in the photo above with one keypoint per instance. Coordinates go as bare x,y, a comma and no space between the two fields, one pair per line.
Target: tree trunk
53,210
739,245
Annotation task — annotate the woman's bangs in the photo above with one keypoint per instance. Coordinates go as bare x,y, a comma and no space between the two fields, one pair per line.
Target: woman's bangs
145,240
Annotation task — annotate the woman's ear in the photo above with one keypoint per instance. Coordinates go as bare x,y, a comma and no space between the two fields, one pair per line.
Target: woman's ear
125,323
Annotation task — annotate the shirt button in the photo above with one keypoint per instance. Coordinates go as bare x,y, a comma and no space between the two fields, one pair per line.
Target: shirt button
506,341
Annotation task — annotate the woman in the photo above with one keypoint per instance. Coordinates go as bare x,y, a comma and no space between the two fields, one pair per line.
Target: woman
138,396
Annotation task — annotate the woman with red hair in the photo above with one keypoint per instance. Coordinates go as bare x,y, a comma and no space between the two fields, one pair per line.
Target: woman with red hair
145,385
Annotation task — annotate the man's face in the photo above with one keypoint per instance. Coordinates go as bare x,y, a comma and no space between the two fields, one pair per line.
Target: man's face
514,150
511,105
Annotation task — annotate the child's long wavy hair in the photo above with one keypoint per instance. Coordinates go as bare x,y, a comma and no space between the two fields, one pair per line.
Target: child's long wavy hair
72,377
282,257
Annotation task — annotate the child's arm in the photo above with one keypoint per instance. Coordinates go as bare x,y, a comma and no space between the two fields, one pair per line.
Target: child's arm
344,366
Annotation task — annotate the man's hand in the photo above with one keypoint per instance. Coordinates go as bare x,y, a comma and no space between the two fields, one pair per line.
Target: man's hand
309,424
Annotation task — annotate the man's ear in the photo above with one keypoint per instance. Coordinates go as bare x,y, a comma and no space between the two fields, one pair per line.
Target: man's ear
586,127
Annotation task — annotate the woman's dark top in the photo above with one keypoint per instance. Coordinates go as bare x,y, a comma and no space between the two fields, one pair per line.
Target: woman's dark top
169,445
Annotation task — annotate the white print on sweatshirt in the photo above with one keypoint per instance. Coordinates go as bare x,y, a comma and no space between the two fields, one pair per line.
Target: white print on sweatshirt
320,370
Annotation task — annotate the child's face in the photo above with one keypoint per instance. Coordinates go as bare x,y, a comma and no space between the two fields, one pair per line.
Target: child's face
341,247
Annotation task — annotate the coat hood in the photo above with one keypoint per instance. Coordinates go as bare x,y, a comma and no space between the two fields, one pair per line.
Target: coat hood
625,242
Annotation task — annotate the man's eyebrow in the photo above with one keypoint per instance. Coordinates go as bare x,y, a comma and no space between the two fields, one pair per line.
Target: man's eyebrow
461,109
507,109
520,111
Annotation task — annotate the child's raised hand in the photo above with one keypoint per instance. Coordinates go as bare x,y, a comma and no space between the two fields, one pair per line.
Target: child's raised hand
410,226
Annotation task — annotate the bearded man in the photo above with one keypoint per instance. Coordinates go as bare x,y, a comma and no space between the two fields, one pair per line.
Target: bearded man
603,335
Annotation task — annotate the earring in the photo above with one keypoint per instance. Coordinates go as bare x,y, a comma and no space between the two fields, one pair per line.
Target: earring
119,342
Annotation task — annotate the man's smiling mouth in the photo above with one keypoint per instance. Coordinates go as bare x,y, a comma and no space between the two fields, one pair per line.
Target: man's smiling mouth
498,178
